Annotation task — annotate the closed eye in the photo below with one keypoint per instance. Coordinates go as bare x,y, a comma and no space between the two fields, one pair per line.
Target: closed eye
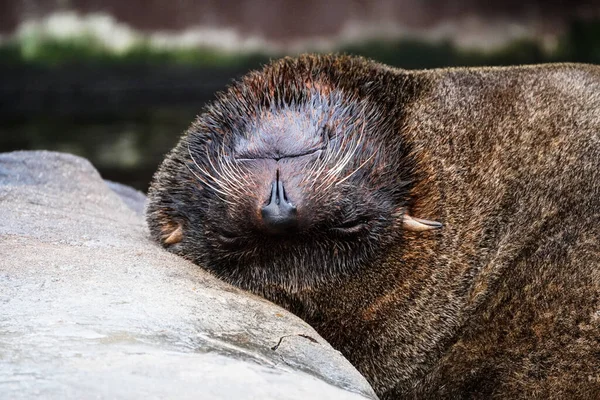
227,237
353,226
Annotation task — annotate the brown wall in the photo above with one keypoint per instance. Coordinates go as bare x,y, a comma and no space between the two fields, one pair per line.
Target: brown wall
290,19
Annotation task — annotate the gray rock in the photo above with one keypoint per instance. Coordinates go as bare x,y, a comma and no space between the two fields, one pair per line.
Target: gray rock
91,308
134,199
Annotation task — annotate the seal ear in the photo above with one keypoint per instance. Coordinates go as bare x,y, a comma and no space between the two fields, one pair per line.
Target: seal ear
175,236
171,233
419,225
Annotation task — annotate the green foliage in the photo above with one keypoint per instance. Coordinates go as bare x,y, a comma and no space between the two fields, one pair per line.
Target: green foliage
581,43
10,53
207,57
53,52
89,50
407,53
524,51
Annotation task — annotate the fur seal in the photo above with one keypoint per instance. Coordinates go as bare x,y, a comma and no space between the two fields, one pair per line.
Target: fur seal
322,183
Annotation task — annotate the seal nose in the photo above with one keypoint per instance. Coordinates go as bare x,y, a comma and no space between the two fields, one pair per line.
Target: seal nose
279,216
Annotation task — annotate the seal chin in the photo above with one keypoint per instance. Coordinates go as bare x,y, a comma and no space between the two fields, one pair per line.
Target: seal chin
279,216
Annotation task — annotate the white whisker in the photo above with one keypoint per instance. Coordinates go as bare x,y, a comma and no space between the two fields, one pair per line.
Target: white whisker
204,180
353,172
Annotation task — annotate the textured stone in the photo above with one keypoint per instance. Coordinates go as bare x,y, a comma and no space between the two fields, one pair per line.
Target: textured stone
90,307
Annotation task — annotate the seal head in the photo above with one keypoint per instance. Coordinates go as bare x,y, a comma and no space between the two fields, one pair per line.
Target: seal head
289,179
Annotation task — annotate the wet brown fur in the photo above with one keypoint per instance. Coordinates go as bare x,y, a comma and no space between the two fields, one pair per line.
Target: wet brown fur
504,301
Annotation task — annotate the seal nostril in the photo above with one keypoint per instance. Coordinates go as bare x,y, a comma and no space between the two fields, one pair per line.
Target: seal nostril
279,216
274,199
281,191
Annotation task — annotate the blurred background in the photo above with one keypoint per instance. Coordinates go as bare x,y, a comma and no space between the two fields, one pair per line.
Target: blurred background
118,81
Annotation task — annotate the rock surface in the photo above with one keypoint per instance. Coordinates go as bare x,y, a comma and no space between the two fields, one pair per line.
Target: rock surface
90,307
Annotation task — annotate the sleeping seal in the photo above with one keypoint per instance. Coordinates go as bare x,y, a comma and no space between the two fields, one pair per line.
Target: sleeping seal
440,228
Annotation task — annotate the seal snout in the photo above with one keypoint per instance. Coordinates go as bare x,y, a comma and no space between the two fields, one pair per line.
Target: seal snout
279,215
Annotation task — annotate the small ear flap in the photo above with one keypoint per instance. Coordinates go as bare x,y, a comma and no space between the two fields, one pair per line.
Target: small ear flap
173,236
419,225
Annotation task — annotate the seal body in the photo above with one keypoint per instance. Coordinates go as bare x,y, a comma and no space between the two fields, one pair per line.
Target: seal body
322,183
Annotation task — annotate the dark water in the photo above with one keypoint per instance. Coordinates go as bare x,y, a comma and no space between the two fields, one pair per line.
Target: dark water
123,119
123,148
